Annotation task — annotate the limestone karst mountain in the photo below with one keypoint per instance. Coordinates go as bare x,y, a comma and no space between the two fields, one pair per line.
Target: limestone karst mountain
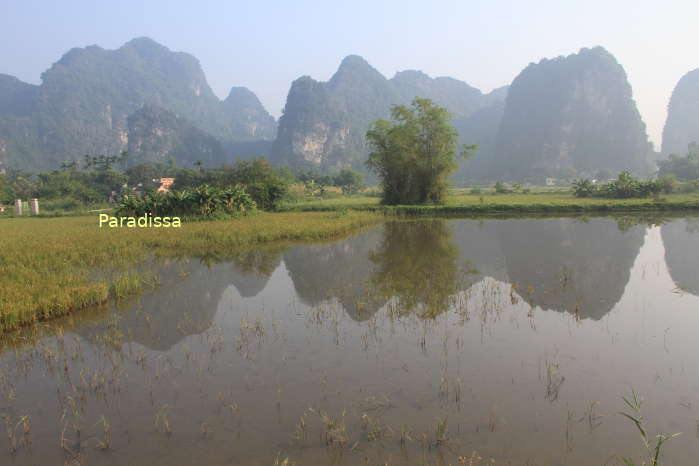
248,117
324,123
570,117
564,117
156,135
84,102
682,124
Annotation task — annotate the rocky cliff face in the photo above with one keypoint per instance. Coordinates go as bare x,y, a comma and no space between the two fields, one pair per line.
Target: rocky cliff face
682,125
158,135
86,98
324,123
569,117
17,132
248,118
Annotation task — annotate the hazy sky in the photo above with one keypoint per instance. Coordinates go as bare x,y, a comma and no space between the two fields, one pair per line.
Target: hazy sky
265,45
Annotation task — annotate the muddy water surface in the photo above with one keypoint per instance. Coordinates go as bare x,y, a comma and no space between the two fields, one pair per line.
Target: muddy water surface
422,342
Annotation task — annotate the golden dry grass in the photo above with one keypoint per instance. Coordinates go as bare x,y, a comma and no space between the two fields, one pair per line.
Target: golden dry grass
52,266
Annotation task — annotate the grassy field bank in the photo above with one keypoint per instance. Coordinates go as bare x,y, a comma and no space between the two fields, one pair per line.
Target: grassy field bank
505,203
52,266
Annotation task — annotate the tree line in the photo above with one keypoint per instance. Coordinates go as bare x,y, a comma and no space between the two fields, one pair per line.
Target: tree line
97,179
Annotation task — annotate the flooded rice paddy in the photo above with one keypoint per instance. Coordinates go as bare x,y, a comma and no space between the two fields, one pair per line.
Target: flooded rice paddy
417,342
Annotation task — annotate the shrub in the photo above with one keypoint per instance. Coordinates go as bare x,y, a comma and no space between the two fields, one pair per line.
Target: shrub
502,188
624,187
584,188
668,183
204,201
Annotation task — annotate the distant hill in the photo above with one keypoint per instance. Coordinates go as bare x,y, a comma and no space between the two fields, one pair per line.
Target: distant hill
563,117
85,100
324,123
682,124
570,117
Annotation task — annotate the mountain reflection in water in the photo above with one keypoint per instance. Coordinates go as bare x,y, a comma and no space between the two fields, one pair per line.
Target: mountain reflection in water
580,266
514,331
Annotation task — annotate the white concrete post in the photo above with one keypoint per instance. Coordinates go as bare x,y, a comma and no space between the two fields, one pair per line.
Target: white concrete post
34,204
18,207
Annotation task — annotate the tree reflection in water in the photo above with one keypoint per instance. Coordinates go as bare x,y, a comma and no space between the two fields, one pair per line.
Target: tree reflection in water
417,263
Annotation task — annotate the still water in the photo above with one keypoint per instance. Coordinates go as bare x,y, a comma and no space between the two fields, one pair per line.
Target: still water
417,342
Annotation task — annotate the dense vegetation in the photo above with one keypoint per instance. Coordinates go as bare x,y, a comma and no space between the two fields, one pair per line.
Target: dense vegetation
624,187
414,154
676,174
97,180
204,201
685,168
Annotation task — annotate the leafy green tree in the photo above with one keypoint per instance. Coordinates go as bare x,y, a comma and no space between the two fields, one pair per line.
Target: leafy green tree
348,180
3,188
266,184
413,155
684,168
418,264
20,185
668,183
84,186
145,173
501,188
583,188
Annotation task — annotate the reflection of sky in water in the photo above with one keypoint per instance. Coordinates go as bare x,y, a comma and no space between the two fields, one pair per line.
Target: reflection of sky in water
527,366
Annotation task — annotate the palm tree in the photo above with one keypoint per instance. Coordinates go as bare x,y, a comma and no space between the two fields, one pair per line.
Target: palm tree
179,201
129,206
206,198
236,199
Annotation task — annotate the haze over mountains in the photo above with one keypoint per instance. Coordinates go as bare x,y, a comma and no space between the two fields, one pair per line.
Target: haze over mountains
86,98
562,117
682,125
324,123
569,117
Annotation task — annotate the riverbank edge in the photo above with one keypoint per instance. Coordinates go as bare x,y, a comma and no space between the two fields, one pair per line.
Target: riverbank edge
206,238
496,209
